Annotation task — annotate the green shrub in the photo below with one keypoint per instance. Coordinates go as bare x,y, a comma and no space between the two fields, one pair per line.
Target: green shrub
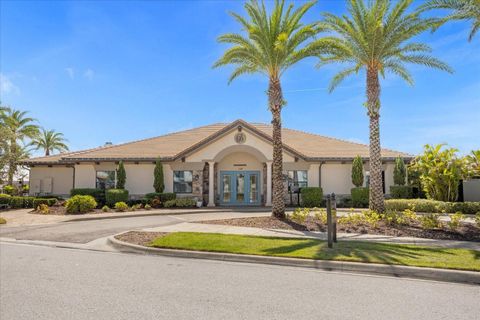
477,219
405,217
121,206
48,201
455,219
300,215
43,208
10,190
181,203
97,194
425,205
163,197
357,171
399,172
360,197
158,183
148,207
16,202
121,176
28,202
112,196
430,221
185,203
105,208
371,218
401,192
312,197
80,204
5,198
2,220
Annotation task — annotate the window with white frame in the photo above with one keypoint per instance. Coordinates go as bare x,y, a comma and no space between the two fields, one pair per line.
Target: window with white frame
297,179
105,179
182,181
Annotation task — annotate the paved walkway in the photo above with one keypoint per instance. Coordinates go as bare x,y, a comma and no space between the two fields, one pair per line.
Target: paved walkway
216,228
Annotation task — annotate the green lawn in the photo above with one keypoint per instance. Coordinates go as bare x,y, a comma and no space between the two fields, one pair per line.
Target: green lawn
356,251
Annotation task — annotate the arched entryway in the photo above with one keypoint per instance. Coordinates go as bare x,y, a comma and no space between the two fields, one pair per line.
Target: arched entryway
240,177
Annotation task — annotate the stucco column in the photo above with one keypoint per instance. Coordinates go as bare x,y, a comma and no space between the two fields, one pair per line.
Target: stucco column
268,200
211,184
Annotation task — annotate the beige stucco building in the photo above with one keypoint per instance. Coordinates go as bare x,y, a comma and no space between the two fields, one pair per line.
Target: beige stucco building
223,164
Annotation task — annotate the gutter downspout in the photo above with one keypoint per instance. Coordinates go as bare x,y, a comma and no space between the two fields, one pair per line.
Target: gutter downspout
320,174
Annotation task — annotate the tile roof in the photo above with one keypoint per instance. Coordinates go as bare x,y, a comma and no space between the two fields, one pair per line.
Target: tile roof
173,145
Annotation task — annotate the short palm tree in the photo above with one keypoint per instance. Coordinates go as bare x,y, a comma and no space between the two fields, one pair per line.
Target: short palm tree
375,38
272,43
18,127
460,10
50,141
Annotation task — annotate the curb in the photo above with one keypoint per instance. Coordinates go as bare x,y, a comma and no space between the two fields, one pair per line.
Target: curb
444,275
187,211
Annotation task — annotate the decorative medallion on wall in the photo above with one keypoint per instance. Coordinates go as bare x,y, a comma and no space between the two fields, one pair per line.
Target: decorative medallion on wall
240,137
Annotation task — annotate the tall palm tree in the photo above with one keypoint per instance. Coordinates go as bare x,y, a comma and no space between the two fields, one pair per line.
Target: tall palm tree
271,43
460,10
375,38
50,141
18,128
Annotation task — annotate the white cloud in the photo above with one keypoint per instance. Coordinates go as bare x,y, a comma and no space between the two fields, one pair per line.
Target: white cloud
70,72
89,74
7,86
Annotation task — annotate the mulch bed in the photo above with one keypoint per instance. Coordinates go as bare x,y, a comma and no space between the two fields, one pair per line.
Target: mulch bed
139,237
466,232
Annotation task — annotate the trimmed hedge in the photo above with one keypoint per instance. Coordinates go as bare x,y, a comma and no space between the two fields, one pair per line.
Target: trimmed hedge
48,201
180,203
163,197
5,198
97,194
401,192
80,204
360,197
16,202
311,196
425,205
112,196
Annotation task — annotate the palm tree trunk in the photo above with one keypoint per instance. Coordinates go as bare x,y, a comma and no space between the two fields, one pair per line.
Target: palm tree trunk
47,152
275,101
12,167
376,197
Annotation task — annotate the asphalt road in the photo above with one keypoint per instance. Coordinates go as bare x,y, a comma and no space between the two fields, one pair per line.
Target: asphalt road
54,283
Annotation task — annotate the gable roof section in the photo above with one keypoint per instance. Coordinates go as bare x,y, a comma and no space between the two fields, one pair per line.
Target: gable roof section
178,144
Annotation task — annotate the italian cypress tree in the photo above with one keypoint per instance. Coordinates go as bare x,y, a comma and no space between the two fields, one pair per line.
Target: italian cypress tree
399,172
158,177
357,171
121,176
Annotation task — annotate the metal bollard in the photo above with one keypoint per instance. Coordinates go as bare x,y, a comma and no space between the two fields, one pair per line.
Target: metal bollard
334,218
329,222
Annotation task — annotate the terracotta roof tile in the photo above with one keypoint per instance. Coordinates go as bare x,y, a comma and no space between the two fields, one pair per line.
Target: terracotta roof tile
308,145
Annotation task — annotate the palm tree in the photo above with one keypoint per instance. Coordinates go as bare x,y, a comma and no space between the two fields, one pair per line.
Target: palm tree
18,127
49,141
272,43
460,10
375,39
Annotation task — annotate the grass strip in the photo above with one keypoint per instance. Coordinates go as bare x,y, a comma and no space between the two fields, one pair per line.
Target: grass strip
355,251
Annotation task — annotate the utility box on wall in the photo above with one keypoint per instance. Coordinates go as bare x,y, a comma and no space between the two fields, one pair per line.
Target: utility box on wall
471,190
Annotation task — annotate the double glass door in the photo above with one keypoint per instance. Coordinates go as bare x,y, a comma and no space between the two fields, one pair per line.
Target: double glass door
240,187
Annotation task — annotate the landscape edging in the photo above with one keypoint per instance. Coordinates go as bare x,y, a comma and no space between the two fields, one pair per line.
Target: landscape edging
445,275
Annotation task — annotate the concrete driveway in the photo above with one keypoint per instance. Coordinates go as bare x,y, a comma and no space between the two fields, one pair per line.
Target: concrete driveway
86,231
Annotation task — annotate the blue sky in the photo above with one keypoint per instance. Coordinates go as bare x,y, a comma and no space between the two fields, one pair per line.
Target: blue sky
123,70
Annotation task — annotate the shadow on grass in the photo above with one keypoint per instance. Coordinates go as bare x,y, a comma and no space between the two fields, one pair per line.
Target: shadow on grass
360,251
